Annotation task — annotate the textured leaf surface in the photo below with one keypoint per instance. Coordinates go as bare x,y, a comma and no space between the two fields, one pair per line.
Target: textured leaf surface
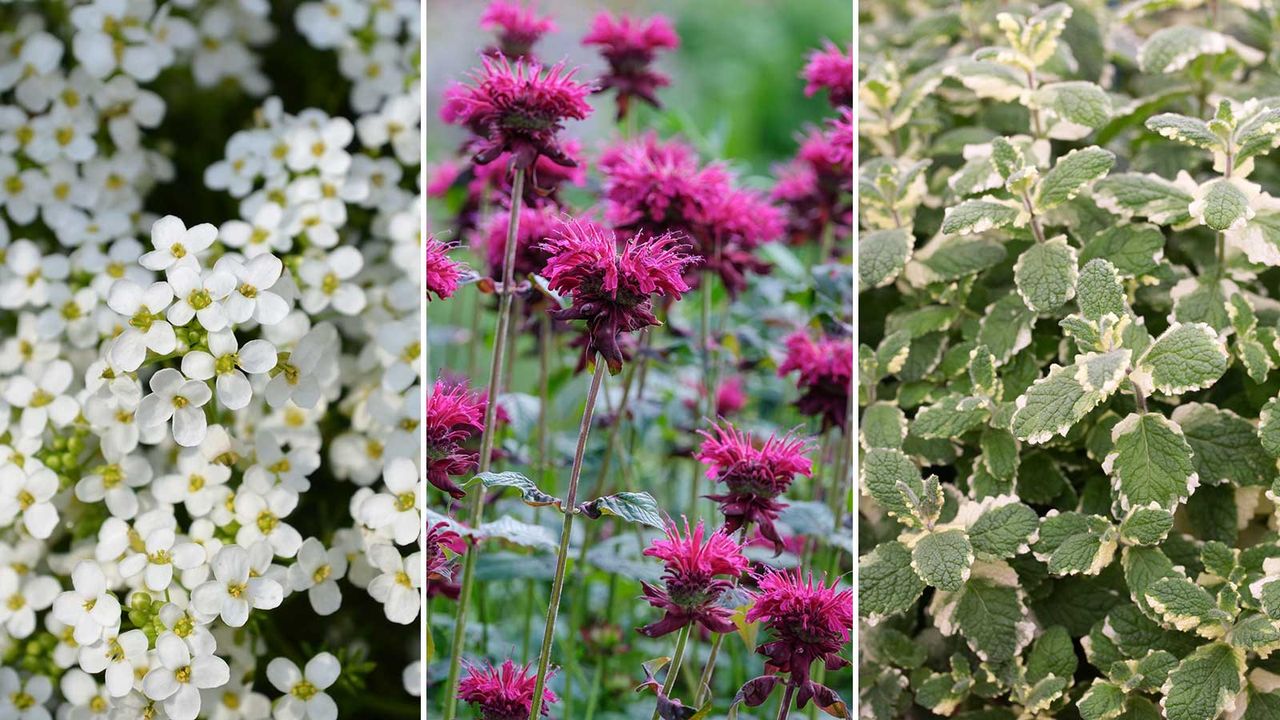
1226,446
1204,683
1151,462
993,619
637,507
1162,201
1186,357
1046,274
942,559
1004,531
887,584
1063,397
882,254
975,216
1186,130
951,417
1071,174
1100,290
1135,249
529,491
1221,205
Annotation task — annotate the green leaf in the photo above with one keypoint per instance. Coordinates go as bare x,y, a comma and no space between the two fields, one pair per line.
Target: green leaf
529,491
1258,134
1063,397
1185,358
976,216
887,584
637,507
882,470
999,454
1186,606
883,426
882,254
1257,634
1053,653
951,258
1100,291
1150,462
1071,174
1046,274
1073,543
951,417
1146,525
1135,250
1186,130
1204,684
1103,700
1004,530
1161,201
1170,49
1259,238
991,615
516,532
1221,205
1077,102
1005,328
942,559
1226,446
1269,427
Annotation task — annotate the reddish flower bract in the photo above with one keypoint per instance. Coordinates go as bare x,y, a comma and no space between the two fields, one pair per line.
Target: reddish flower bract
502,693
630,46
442,273
690,577
518,28
808,621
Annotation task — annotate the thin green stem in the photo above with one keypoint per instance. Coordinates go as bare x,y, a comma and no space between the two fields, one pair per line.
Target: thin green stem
704,680
673,670
562,554
476,508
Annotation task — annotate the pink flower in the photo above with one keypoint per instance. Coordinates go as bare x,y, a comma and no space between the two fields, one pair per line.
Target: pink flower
730,397
630,46
441,177
612,289
520,108
547,176
518,28
536,225
504,693
830,69
808,621
840,145
755,476
738,222
442,273
454,415
439,565
826,376
692,587
815,188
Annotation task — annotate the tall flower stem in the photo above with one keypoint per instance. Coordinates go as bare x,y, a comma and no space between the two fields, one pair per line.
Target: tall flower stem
562,554
704,680
673,670
544,392
476,507
785,708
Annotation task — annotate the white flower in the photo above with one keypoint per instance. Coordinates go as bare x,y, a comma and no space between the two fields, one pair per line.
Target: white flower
317,571
234,592
225,360
82,691
115,481
29,492
295,378
118,654
41,397
199,485
253,298
175,244
180,676
24,701
146,328
200,296
398,511
33,275
21,597
305,698
89,608
321,148
161,553
236,702
259,515
173,396
398,588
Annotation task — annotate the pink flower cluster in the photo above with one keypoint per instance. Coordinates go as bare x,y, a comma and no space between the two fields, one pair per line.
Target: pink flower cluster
630,46
825,378
754,476
442,273
518,27
694,578
502,693
453,416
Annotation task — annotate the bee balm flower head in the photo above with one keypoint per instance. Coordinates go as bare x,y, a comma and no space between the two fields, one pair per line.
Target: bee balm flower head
518,28
830,69
694,565
612,288
502,693
630,46
826,376
520,108
442,273
754,476
453,416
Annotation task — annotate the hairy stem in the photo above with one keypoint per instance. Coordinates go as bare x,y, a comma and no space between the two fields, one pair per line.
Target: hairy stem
476,508
562,554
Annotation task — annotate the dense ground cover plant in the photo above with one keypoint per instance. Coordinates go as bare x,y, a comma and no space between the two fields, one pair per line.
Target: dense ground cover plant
1067,384
640,496
210,404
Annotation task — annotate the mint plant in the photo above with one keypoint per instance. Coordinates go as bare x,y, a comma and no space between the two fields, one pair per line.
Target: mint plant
1068,411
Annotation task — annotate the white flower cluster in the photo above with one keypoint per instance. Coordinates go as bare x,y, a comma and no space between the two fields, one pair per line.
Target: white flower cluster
174,399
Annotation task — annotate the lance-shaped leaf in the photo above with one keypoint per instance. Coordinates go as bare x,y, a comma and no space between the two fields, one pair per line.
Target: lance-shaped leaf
1204,684
1071,174
990,612
1135,250
1004,530
1079,103
1046,274
1100,291
951,417
1226,446
1253,353
1257,134
637,507
883,426
882,254
1185,358
1073,543
1150,462
518,533
1000,454
1063,397
1186,606
1186,130
887,584
529,491
1163,202
942,559
1170,49
1146,525
975,216
1222,204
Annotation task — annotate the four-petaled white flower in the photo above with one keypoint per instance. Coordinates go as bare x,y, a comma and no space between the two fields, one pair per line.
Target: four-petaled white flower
181,673
318,571
89,607
304,697
177,398
234,592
